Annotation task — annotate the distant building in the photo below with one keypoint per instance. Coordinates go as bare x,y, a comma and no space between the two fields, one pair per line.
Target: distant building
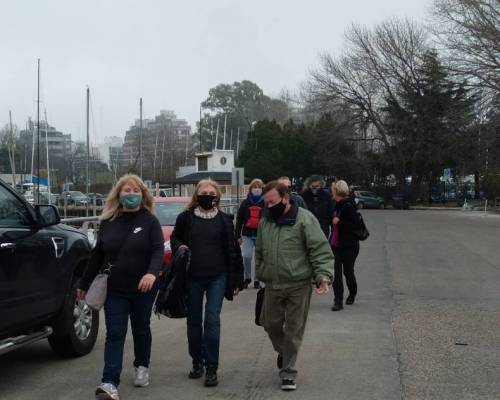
108,150
59,143
166,145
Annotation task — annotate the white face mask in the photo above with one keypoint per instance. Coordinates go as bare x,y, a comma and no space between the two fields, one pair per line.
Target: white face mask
256,191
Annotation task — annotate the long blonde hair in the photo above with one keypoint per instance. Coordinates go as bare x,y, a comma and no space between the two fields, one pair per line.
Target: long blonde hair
113,208
194,199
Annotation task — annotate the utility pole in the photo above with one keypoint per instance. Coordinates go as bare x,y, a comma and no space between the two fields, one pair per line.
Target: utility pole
238,144
47,154
140,138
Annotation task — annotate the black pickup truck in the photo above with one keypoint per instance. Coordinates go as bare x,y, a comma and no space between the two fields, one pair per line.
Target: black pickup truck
40,262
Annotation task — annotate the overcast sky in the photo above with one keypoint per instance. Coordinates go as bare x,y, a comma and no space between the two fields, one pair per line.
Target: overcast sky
169,52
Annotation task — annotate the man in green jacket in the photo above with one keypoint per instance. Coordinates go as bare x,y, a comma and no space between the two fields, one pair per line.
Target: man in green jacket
291,252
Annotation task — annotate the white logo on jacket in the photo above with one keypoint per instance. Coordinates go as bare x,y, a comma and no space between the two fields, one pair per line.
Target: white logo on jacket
137,230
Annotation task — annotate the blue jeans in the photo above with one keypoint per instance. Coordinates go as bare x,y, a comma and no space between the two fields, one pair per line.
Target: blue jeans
117,310
247,250
204,336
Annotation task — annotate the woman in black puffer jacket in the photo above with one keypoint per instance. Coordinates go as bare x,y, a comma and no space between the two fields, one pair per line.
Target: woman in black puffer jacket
345,244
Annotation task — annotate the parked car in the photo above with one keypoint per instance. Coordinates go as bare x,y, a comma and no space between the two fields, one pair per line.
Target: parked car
167,209
44,198
40,263
99,199
366,199
73,198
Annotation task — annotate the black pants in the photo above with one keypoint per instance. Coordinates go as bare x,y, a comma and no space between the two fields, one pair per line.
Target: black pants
345,257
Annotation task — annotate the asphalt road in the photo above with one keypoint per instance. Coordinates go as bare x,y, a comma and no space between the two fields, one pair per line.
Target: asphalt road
426,325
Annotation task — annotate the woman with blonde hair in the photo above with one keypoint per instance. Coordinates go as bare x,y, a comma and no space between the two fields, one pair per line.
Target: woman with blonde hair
215,271
247,223
345,244
130,248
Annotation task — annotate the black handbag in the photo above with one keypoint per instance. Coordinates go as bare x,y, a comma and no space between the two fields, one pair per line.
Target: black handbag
258,305
362,232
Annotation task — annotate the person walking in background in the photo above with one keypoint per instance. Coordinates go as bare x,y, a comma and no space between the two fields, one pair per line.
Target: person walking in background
291,252
345,244
294,197
215,271
247,223
130,245
319,202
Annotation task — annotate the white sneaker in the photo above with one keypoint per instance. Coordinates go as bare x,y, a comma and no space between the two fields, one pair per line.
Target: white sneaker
141,378
106,391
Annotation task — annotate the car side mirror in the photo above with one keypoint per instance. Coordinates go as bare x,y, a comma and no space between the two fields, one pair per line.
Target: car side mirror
47,215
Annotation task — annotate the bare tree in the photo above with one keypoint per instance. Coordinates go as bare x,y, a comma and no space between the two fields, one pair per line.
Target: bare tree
373,69
469,33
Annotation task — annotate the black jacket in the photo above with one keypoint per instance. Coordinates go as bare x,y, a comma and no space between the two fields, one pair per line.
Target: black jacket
348,222
171,299
321,205
242,218
234,261
133,244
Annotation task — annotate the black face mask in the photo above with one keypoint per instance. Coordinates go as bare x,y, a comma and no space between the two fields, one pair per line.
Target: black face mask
277,210
206,201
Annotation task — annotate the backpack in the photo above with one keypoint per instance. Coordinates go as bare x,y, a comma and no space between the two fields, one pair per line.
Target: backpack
253,217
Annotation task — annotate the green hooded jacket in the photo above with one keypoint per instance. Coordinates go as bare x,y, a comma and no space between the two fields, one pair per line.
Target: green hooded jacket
292,251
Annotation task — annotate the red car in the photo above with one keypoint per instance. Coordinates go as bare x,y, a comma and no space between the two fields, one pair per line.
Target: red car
167,209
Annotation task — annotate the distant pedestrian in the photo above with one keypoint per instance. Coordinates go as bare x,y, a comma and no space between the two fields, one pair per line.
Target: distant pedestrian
247,223
319,202
294,196
345,244
130,245
215,272
291,252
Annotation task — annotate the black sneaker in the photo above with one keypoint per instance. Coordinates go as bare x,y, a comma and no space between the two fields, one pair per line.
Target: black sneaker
211,377
288,384
246,283
256,285
196,372
349,300
279,361
337,307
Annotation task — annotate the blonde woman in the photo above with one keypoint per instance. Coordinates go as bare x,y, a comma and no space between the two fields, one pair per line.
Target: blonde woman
130,243
247,222
215,272
345,244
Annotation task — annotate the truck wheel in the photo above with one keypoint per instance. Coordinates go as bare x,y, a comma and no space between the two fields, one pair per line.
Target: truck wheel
76,328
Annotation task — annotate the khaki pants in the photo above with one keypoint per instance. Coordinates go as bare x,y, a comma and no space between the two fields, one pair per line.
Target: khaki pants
284,317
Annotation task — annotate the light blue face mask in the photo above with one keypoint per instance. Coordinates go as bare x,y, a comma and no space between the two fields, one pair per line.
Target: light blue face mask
131,201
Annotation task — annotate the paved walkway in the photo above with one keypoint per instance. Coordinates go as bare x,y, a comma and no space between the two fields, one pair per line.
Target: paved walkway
425,326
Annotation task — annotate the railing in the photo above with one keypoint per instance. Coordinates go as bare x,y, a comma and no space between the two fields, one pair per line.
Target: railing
89,226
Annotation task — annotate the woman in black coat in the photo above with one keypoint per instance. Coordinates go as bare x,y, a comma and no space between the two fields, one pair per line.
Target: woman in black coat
215,271
345,244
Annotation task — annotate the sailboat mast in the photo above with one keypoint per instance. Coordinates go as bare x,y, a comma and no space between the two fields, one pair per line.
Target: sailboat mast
140,138
12,152
87,170
38,137
217,135
47,153
225,126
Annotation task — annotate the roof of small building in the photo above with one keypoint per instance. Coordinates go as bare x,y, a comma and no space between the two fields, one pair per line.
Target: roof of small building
219,177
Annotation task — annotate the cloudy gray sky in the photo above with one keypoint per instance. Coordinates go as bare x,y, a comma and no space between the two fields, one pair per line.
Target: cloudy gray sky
169,52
